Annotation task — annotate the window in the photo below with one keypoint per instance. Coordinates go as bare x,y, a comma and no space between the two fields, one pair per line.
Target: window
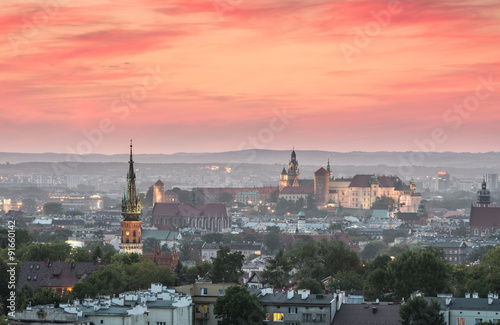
307,317
221,292
34,277
460,321
278,317
161,323
102,321
204,291
320,317
268,317
31,266
29,277
37,266
292,310
478,320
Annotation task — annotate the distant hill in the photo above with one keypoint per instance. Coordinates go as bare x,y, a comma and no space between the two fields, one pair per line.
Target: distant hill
281,157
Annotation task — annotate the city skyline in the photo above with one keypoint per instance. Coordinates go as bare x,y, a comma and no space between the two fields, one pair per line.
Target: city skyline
227,75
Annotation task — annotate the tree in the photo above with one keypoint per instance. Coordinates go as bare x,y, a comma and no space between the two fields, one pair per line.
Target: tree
148,198
275,229
424,270
225,197
323,258
227,266
418,311
310,284
274,196
198,271
57,252
53,208
189,249
29,206
372,249
460,232
477,253
277,271
347,280
383,203
273,242
238,306
97,253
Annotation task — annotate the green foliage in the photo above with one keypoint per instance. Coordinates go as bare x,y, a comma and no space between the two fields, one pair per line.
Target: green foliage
424,270
57,236
478,252
323,258
53,208
383,203
389,236
57,252
249,238
418,311
225,197
277,271
460,232
39,296
377,285
272,241
199,270
394,250
238,306
129,272
80,254
74,213
29,206
275,229
347,280
273,196
310,284
23,237
372,249
189,249
227,266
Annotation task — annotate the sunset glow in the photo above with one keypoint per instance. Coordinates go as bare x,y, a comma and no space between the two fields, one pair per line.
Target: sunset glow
223,75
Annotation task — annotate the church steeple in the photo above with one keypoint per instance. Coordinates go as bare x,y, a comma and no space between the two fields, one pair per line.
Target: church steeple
131,235
483,196
131,204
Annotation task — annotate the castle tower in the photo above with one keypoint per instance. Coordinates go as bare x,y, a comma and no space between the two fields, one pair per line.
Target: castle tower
293,165
131,241
283,179
321,187
329,171
483,196
158,192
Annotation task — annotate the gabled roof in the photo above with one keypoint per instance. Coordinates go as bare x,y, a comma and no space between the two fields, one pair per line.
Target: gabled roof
159,183
54,274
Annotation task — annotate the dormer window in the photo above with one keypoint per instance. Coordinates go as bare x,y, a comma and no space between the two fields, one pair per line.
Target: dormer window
29,277
34,277
37,266
31,266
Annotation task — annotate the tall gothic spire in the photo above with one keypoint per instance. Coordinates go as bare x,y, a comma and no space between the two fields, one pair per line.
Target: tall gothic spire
131,204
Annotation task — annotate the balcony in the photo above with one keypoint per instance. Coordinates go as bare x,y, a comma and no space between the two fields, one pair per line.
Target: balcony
201,315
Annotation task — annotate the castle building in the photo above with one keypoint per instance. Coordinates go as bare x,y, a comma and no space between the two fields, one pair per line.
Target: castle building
358,192
131,241
290,178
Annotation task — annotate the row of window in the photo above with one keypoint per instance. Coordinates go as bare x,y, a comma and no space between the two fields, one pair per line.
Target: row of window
280,317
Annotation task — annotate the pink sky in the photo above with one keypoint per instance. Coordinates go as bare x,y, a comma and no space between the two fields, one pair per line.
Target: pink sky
211,75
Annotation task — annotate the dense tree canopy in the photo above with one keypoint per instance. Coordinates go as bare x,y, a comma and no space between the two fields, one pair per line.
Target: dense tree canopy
418,311
227,266
277,271
239,307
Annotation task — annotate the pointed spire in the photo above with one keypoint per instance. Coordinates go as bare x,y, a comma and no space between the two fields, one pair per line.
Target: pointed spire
131,204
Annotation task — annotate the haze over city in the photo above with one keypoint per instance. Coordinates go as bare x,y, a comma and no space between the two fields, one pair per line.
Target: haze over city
202,76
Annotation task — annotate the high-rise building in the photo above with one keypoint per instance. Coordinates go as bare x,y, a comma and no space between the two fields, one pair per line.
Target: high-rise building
492,179
443,181
131,241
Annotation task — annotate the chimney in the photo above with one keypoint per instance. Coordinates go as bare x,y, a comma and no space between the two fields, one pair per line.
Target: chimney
467,295
490,300
374,309
495,295
448,301
304,293
475,295
289,294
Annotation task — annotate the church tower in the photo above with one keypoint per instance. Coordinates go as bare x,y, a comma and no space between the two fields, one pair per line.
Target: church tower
483,196
131,241
293,170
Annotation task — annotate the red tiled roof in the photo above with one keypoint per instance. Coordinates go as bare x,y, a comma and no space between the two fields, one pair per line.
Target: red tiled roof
298,189
187,210
321,172
361,181
485,217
